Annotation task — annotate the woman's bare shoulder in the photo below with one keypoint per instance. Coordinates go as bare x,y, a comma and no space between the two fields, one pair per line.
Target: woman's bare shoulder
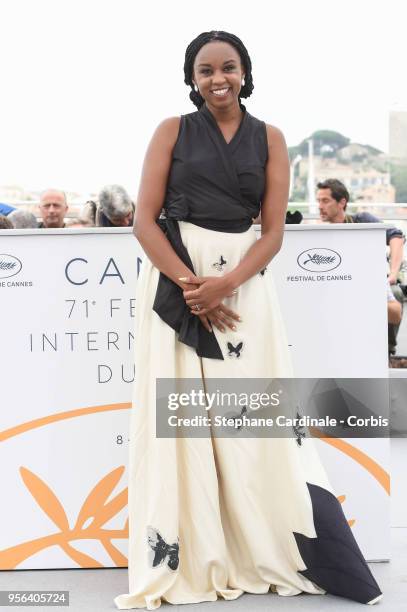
275,136
167,130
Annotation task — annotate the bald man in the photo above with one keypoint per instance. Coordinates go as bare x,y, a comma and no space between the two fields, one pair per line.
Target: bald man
53,208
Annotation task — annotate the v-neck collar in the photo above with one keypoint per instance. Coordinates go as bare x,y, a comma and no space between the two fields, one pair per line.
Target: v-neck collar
232,144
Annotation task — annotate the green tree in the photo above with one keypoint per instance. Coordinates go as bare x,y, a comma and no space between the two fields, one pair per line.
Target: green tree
324,138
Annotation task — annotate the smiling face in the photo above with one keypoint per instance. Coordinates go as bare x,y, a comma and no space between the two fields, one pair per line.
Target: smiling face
218,73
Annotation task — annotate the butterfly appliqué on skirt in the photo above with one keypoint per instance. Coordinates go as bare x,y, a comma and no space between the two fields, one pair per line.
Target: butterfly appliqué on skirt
161,552
299,431
218,265
234,351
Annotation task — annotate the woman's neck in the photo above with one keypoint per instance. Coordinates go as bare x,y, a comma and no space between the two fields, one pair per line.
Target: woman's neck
231,114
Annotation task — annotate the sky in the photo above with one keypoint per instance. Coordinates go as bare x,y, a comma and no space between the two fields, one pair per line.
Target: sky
85,82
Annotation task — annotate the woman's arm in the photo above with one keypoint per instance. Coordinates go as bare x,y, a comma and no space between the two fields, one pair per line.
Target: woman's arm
150,199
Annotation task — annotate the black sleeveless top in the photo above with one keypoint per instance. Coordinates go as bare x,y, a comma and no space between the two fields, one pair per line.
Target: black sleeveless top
216,185
212,183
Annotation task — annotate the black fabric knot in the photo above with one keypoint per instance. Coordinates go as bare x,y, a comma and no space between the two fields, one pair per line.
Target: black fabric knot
169,302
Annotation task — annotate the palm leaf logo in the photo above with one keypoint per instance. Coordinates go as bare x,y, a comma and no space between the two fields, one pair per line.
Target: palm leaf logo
93,515
45,498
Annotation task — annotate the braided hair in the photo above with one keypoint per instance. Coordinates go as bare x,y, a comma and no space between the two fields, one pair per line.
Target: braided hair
192,51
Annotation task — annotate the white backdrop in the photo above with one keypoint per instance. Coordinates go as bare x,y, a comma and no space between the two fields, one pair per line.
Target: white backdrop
337,327
66,354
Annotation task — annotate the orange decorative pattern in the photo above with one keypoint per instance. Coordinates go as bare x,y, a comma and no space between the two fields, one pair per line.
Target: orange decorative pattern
95,512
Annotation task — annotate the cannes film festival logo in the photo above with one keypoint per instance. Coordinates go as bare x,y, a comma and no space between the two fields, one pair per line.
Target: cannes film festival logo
319,260
9,265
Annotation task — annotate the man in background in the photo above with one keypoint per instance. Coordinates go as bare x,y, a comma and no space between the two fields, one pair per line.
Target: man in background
113,209
23,219
333,198
53,208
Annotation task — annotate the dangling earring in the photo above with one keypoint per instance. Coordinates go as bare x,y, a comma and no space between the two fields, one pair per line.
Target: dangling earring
243,81
195,87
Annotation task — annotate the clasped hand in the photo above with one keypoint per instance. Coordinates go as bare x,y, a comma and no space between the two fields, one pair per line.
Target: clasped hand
208,292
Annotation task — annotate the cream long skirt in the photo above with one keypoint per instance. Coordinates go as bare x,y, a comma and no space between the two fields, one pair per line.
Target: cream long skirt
215,517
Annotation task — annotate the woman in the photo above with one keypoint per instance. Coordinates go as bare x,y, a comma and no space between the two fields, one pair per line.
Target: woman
212,516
